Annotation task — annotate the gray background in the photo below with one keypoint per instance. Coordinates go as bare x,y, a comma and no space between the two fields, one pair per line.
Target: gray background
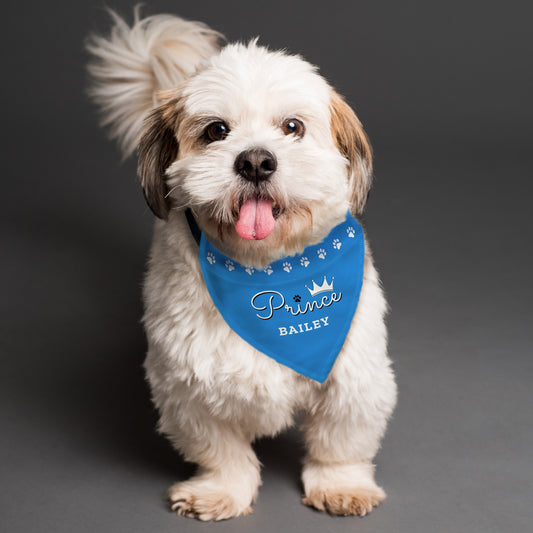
444,91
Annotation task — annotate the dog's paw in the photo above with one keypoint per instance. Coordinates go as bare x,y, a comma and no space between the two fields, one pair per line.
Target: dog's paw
344,502
197,500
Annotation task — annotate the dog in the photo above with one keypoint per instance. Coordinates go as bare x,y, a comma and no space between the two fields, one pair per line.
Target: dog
249,156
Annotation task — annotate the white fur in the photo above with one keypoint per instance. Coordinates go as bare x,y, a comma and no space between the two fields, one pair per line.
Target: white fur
214,392
130,65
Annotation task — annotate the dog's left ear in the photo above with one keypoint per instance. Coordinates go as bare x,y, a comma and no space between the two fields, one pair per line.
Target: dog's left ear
354,145
157,149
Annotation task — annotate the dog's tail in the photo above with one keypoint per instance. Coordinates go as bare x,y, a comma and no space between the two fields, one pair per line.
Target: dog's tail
133,63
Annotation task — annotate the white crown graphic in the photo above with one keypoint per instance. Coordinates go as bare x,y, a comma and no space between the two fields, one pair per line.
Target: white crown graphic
317,289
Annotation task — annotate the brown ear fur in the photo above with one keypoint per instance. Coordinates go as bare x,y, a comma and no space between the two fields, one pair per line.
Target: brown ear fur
353,144
157,149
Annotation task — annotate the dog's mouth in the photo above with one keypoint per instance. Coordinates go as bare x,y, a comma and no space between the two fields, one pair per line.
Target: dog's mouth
256,218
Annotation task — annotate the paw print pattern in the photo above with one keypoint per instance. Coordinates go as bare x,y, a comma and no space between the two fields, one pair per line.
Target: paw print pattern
229,265
287,266
297,298
249,270
321,253
211,258
351,232
268,270
304,262
337,244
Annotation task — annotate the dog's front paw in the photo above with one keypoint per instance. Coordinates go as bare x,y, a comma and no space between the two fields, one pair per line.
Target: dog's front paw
205,501
341,489
348,501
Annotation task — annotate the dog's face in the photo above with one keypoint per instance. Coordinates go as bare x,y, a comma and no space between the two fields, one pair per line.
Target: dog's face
263,151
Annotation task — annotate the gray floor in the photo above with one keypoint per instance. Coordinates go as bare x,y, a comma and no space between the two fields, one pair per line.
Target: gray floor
451,228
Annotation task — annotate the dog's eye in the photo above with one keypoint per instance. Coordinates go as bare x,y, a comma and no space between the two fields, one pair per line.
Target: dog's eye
293,126
216,131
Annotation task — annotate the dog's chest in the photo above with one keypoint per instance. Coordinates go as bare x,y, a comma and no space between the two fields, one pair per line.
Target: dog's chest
191,343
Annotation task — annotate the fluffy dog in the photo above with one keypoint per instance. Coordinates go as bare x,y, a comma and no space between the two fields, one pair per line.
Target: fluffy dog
268,158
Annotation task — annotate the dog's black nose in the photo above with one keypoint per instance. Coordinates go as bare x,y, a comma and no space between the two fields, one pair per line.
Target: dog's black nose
255,165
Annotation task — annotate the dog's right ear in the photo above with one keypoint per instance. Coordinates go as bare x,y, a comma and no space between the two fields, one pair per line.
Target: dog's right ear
157,149
354,145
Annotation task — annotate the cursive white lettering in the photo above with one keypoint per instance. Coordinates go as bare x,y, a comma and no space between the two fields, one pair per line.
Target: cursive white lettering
309,307
270,305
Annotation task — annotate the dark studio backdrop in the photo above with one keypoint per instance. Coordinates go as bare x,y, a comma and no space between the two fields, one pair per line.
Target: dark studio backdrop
444,91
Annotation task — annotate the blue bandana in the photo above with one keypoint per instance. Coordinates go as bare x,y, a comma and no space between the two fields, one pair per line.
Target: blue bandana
297,310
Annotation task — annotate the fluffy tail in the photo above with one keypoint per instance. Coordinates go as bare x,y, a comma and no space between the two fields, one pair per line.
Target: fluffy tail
132,64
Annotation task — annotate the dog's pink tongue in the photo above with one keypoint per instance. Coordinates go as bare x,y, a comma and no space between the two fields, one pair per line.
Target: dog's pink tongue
255,219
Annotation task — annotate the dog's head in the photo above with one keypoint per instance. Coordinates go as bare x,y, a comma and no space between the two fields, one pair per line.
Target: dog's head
267,155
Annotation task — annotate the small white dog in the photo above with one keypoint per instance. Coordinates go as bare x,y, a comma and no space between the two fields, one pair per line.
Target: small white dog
256,151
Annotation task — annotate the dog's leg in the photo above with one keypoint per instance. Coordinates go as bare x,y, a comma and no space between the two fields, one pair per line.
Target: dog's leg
342,436
228,476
